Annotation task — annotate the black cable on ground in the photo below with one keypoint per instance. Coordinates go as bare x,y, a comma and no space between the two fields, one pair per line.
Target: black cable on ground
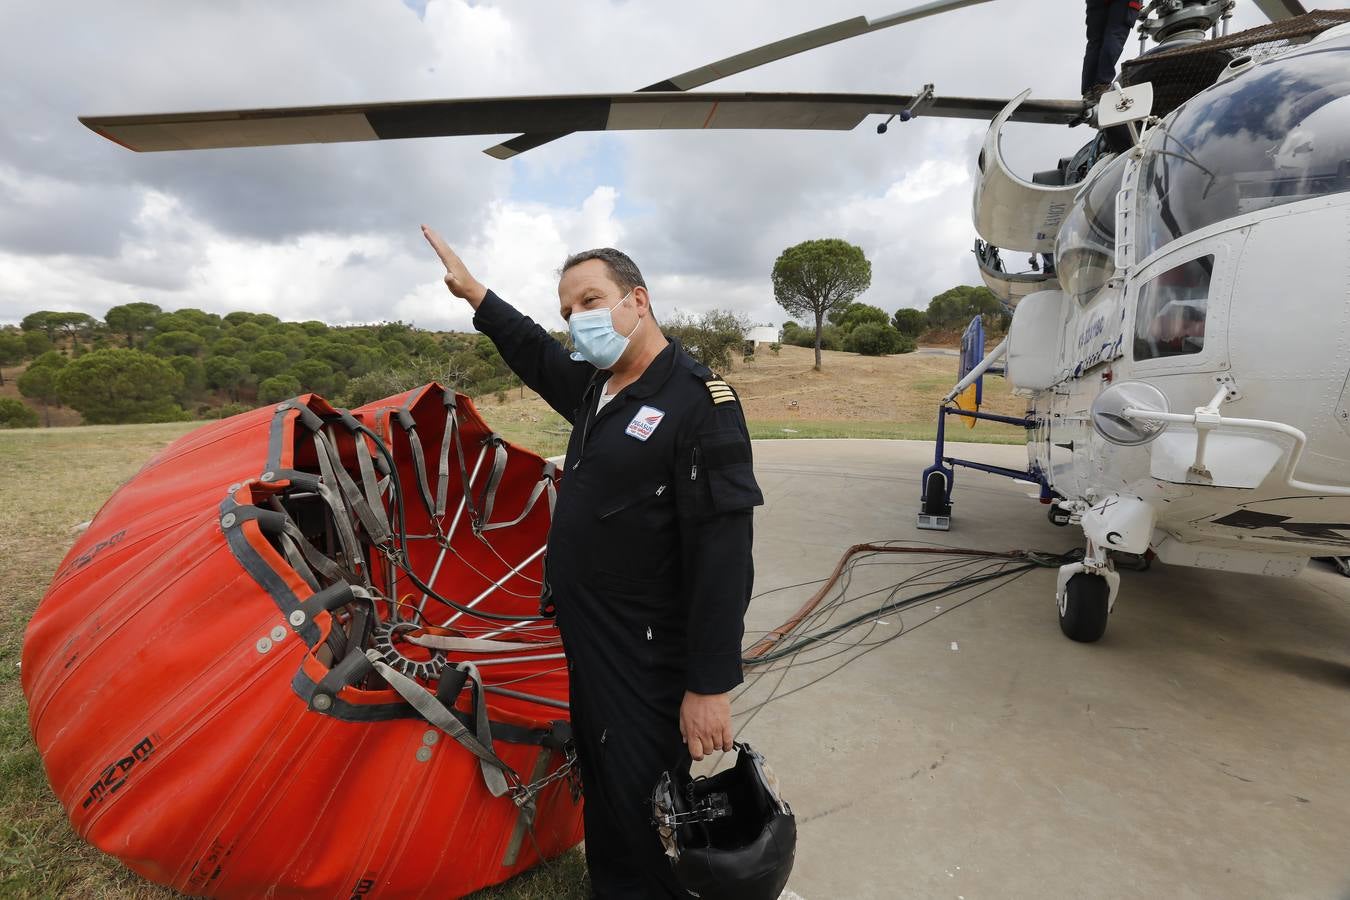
814,630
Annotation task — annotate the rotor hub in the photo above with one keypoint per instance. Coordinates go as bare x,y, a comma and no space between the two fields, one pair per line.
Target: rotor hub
1183,20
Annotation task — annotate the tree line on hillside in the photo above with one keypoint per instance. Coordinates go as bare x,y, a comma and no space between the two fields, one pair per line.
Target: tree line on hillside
821,279
871,331
143,364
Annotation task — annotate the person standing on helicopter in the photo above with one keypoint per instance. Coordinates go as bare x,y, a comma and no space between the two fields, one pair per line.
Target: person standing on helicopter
1108,27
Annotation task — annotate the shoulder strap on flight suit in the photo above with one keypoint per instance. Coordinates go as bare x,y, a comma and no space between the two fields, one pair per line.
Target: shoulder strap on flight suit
718,390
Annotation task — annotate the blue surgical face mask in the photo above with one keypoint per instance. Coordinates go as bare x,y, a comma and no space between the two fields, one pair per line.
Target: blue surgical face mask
594,336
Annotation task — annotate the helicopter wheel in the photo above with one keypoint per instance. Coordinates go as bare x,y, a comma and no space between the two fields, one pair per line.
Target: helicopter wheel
935,495
1084,607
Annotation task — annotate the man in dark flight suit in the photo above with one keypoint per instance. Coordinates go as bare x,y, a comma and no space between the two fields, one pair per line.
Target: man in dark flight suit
649,554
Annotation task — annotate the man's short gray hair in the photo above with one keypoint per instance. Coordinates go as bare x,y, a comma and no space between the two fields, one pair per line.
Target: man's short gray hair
622,270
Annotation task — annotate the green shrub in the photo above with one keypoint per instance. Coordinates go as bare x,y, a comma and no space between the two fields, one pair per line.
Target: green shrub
17,414
910,322
855,314
116,386
224,411
711,338
876,339
278,388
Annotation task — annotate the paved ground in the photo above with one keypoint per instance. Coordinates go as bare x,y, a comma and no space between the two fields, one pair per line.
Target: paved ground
1198,750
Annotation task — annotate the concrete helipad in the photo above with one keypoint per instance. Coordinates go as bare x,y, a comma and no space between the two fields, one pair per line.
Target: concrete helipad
1199,750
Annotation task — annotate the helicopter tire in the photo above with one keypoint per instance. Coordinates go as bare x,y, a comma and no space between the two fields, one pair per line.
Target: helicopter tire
1084,608
935,495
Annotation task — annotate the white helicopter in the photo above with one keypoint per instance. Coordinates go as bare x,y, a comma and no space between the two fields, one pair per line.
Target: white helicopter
1185,350
1186,355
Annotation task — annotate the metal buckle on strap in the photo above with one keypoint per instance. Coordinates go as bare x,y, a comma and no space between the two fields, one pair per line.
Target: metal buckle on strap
706,809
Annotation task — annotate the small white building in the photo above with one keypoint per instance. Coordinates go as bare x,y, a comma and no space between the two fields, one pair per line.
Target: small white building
764,334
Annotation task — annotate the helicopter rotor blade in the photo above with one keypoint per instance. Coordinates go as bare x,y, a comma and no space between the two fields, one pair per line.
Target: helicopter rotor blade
556,114
750,59
1279,10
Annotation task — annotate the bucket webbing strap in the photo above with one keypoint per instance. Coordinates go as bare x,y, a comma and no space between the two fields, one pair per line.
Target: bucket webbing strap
330,464
419,457
366,462
494,481
450,437
280,523
342,521
476,645
297,560
544,486
480,745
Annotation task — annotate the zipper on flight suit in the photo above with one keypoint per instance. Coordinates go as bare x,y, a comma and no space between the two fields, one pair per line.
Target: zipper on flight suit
693,469
581,450
586,425
633,500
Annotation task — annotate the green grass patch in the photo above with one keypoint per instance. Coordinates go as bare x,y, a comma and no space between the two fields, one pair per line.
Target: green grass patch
937,386
985,433
561,878
54,479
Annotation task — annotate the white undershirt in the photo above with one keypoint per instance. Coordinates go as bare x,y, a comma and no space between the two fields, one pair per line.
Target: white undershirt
604,398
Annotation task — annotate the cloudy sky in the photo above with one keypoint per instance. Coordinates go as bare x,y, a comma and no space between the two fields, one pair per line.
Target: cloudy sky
330,232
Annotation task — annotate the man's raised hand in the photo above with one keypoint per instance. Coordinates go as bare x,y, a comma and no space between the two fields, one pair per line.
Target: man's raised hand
457,277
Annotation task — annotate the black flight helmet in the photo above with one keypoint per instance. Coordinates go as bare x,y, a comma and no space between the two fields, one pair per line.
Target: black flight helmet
729,836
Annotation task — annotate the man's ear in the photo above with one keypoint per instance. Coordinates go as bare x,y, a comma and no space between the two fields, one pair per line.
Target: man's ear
641,298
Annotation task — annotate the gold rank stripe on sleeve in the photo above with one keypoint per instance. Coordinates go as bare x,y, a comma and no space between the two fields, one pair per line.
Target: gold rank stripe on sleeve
720,391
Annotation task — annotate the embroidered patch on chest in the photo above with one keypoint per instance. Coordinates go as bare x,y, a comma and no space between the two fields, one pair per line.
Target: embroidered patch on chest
644,423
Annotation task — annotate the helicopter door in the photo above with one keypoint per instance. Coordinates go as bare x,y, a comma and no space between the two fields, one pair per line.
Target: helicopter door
1011,213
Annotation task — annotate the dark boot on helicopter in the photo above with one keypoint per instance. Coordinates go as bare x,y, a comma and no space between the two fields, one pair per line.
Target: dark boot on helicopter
1108,28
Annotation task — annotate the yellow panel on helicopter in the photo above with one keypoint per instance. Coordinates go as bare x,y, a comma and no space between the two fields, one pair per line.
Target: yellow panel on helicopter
966,400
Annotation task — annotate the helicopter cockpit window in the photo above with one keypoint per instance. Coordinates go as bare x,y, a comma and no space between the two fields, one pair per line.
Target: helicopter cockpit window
1085,251
1276,134
1171,316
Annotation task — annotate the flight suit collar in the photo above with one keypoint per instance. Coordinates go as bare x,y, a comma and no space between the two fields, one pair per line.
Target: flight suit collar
657,372
652,379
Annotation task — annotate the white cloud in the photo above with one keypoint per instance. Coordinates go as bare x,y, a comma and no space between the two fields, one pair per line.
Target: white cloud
517,254
331,231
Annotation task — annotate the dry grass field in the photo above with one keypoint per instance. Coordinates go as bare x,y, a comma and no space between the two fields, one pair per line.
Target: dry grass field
56,478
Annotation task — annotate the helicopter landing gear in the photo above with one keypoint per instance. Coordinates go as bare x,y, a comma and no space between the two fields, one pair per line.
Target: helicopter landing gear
1059,514
1085,593
935,506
